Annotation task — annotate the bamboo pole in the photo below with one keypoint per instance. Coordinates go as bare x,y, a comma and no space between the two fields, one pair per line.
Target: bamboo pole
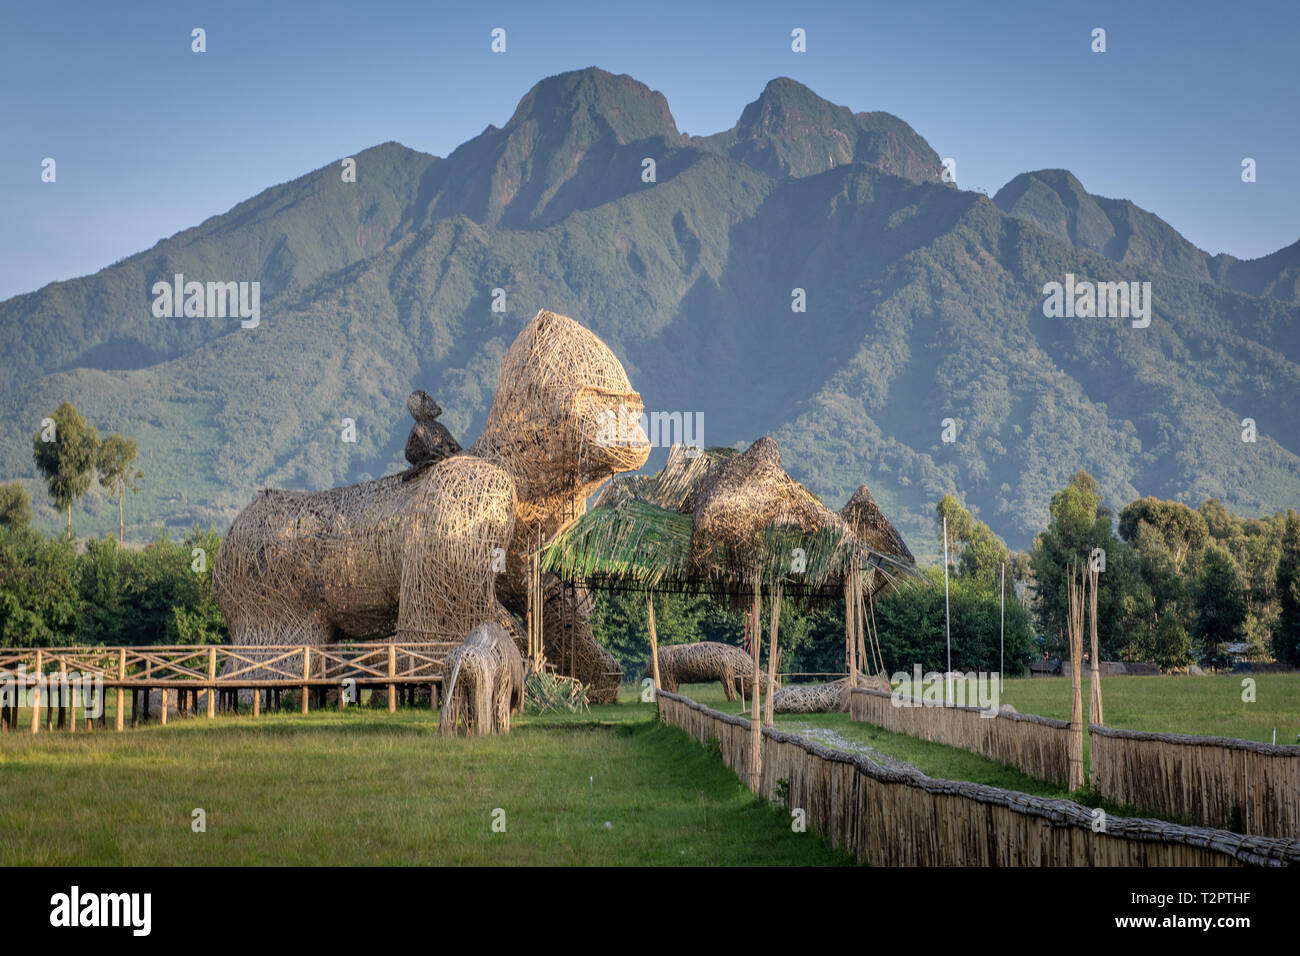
875,630
1094,683
212,682
392,671
36,695
755,731
120,716
1076,601
773,655
306,676
848,625
654,638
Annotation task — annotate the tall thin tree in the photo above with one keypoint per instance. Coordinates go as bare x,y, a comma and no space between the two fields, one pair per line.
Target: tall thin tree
117,472
64,448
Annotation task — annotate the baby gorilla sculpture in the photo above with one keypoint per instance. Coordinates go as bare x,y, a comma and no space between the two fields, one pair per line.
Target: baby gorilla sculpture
432,552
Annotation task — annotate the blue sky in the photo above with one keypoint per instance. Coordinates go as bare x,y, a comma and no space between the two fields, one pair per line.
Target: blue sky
151,138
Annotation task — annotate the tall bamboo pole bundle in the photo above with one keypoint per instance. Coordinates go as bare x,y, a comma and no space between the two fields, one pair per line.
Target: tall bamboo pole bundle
850,629
772,653
875,631
654,637
755,730
1094,682
1075,623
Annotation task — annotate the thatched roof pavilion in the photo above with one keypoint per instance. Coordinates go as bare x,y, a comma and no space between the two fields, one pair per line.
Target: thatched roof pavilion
736,526
725,523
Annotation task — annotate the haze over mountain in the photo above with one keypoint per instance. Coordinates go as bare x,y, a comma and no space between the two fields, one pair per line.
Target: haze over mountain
924,302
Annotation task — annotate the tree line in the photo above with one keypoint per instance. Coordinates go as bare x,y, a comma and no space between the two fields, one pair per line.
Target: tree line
1178,585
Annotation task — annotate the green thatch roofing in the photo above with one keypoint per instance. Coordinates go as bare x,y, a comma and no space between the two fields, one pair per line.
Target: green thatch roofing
698,525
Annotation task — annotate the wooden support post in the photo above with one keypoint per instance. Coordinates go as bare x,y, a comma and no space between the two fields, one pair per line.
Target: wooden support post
772,655
755,731
36,695
306,675
433,696
1094,682
71,693
120,716
654,638
1075,624
257,702
212,682
392,671
162,705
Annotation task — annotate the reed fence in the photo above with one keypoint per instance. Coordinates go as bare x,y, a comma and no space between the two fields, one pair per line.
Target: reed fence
1216,781
895,818
1038,746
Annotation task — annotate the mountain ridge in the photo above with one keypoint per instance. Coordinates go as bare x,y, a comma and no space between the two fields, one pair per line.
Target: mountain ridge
923,302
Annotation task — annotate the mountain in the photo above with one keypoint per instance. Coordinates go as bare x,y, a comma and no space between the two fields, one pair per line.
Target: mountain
791,131
924,302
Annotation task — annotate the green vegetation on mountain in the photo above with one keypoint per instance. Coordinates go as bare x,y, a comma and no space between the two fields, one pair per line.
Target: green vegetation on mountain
924,302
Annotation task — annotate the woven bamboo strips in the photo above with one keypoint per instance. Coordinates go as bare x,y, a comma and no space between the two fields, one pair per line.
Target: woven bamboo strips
1038,746
704,662
1075,624
891,817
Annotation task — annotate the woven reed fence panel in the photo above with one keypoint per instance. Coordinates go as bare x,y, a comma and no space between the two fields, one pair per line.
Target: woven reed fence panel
1207,779
1035,745
893,818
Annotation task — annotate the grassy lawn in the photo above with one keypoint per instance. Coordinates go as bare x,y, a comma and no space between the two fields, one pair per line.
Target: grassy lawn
366,787
1180,705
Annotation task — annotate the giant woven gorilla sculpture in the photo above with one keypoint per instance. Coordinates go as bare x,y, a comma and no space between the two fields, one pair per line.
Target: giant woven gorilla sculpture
432,552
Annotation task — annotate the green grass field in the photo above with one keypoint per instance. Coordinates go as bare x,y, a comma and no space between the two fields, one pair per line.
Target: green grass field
366,787
1180,705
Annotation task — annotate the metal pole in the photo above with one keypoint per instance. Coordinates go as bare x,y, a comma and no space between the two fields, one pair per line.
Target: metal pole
947,617
1002,640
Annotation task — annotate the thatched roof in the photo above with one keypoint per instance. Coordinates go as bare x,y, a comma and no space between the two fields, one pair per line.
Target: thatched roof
714,521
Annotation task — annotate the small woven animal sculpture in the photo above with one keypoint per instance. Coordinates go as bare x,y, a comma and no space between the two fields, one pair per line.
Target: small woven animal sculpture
485,683
704,663
831,697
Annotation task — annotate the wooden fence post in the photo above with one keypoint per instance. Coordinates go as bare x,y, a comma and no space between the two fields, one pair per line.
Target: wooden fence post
392,671
306,675
120,716
212,682
36,695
